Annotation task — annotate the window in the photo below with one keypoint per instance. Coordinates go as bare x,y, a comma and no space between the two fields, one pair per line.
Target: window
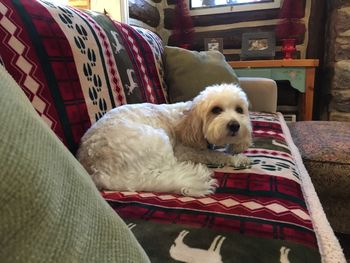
204,7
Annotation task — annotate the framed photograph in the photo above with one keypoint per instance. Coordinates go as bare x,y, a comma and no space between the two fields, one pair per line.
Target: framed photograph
258,45
214,44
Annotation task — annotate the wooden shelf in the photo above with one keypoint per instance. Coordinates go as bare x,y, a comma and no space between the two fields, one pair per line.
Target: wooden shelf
274,63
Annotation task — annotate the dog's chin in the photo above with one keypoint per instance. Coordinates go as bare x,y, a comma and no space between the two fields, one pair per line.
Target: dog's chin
225,138
232,134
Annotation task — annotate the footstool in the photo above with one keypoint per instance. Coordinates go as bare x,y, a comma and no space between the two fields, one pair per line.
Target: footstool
325,149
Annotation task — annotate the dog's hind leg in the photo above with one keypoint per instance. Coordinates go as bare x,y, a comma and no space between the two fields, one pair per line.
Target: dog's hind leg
184,178
159,170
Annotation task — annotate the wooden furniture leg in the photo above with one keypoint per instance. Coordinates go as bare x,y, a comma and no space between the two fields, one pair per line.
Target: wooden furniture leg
308,96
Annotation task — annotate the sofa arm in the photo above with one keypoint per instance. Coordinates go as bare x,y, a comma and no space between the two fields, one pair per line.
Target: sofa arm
261,92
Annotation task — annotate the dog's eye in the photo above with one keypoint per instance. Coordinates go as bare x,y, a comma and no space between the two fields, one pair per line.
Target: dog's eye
239,110
216,110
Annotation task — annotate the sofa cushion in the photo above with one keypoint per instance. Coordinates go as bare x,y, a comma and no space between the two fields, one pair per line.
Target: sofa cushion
75,65
324,147
189,72
50,209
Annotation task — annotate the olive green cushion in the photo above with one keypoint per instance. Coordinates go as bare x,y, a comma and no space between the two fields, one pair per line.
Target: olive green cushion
189,72
50,211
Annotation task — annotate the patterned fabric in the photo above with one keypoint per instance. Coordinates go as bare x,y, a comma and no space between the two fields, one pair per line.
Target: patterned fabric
326,156
158,50
260,209
76,65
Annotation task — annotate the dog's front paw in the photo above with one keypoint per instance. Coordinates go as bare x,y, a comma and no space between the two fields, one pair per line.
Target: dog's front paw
200,189
240,161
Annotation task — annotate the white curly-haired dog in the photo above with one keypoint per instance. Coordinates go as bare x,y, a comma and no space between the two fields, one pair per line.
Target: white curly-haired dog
163,148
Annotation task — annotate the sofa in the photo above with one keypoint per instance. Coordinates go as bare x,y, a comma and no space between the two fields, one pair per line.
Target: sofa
63,69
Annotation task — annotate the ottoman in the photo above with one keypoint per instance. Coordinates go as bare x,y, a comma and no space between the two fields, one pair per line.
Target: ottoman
325,149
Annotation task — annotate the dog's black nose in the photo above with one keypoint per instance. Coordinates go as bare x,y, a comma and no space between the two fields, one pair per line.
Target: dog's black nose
233,126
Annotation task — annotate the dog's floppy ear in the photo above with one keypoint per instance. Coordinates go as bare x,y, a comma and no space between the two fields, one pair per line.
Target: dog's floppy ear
190,129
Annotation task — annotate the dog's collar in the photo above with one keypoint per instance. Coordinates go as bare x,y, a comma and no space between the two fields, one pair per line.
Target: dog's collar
228,148
210,146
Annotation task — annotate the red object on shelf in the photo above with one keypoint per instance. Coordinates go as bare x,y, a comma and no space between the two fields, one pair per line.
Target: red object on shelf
183,26
291,28
288,48
185,46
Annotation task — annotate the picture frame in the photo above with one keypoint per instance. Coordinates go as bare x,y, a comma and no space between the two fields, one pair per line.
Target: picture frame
258,45
215,43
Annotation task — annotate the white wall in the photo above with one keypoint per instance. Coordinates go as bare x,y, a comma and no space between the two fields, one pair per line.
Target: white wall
117,9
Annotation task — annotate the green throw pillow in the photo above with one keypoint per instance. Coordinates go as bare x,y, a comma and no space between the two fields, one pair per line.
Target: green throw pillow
50,210
189,72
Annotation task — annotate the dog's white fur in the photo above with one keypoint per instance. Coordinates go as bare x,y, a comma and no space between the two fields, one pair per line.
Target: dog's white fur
163,148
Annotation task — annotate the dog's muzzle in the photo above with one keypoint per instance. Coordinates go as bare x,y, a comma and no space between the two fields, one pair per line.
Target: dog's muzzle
233,127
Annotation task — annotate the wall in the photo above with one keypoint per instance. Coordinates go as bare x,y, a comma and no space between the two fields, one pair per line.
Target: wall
83,4
337,60
115,9
148,14
158,16
112,7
